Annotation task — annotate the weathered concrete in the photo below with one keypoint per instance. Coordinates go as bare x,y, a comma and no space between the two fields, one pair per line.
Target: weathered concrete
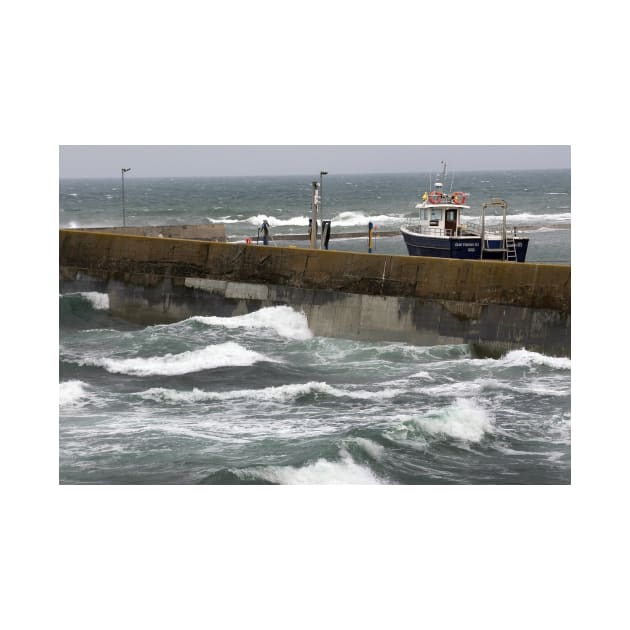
494,306
210,232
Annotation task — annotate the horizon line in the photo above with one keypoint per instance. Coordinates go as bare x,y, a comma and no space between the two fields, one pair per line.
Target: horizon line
341,173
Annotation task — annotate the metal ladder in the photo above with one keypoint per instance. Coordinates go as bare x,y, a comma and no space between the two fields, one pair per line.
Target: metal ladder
510,246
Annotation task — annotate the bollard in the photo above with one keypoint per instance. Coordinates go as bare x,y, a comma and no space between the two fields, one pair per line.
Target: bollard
325,234
370,228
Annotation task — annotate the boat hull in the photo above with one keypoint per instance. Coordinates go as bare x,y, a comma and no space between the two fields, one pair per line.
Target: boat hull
463,248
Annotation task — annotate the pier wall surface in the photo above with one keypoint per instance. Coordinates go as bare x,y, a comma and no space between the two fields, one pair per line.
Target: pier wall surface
493,306
210,232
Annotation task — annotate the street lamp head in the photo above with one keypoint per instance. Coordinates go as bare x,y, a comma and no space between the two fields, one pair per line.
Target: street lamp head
124,170
323,172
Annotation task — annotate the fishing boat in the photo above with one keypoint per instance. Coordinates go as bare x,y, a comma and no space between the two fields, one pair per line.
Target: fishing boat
439,231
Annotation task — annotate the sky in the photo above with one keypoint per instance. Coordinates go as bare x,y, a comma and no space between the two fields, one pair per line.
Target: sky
233,160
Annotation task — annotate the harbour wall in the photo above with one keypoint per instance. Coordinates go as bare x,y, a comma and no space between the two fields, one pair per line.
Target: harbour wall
211,232
493,306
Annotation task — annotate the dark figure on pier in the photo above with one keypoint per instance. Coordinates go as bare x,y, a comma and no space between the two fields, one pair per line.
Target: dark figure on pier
265,232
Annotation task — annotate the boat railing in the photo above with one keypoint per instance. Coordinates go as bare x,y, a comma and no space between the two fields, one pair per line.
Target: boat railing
470,229
465,229
474,229
429,230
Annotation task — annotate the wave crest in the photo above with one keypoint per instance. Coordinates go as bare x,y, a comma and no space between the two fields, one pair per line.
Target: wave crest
464,420
72,393
323,471
99,301
208,358
372,448
526,358
280,393
283,320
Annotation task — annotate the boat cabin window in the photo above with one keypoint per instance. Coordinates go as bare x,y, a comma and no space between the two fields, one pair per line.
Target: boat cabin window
436,216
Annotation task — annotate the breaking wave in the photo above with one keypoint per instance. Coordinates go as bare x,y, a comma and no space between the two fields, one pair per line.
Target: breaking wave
283,320
99,301
525,218
464,420
373,449
208,358
275,222
281,393
343,219
344,471
526,358
347,219
72,393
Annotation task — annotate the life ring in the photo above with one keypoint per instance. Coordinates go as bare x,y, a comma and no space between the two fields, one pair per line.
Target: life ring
458,197
435,196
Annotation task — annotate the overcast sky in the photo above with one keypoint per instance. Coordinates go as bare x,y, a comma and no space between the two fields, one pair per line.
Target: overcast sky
180,161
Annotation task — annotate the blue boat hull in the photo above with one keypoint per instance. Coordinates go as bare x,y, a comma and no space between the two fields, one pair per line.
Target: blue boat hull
464,248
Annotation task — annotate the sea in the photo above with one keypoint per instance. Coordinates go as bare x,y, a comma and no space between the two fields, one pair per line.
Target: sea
259,399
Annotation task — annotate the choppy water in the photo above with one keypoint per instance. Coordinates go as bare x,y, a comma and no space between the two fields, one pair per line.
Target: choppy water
538,202
259,399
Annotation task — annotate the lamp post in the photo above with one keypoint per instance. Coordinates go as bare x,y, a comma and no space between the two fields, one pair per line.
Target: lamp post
315,200
122,175
321,204
321,193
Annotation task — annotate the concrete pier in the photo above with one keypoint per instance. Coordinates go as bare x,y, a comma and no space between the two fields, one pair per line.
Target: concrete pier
493,306
210,232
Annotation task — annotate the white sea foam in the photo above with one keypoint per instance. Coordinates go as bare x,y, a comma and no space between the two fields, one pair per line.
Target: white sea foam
525,358
543,389
224,220
283,320
275,222
373,449
72,393
208,358
99,301
323,471
525,218
346,219
369,394
464,388
422,374
280,393
464,419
